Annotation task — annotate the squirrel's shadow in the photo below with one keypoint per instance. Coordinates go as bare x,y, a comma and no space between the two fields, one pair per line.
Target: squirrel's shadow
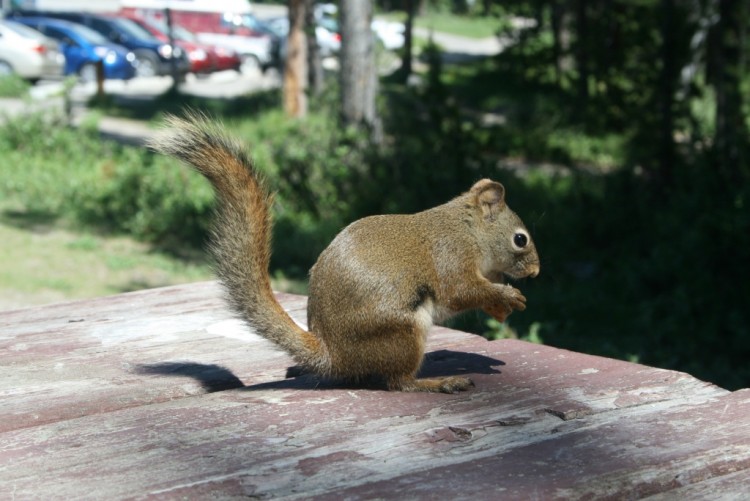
211,377
217,378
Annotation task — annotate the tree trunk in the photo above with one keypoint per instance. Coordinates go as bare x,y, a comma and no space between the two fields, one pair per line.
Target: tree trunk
314,62
358,73
561,27
667,88
731,131
406,62
582,52
295,70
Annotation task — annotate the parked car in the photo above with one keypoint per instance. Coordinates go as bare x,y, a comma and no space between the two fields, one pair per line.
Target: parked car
327,34
227,58
28,53
204,58
389,34
213,24
152,56
84,48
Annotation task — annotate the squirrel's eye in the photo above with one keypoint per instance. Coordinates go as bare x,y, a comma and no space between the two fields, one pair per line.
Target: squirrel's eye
520,240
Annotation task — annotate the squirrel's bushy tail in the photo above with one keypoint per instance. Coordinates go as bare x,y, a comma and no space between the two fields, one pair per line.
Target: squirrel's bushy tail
241,234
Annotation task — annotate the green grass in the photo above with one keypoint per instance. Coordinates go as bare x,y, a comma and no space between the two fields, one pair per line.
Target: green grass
13,86
48,262
81,217
45,260
470,27
444,22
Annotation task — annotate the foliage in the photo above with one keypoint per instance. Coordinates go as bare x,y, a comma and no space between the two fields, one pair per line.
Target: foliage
52,169
13,86
614,163
640,219
317,171
445,22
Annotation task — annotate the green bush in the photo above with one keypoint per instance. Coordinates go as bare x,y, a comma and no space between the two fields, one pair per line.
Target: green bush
13,86
629,270
152,199
317,171
73,173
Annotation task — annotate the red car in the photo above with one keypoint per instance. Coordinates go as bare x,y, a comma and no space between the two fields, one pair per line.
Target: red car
203,58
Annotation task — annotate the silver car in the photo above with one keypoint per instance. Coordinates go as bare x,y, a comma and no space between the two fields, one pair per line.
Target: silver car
28,53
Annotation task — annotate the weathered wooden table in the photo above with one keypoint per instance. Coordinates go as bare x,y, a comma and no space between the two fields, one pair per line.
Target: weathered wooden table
160,394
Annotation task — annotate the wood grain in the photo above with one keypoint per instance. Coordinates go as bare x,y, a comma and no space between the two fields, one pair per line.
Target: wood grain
161,394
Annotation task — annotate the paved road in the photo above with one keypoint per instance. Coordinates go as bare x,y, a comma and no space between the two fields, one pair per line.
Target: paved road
221,84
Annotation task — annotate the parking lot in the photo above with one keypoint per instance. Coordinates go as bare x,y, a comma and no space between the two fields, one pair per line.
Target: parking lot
219,84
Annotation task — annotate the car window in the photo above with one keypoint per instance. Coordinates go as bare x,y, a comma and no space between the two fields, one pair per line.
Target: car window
132,29
329,24
255,24
251,22
22,30
177,31
184,34
103,27
91,36
58,34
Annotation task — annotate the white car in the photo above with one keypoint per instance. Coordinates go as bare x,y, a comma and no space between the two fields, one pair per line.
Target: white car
326,34
390,34
27,53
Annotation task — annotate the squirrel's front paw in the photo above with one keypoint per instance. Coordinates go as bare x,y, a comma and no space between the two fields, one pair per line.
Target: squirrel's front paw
515,299
499,311
512,300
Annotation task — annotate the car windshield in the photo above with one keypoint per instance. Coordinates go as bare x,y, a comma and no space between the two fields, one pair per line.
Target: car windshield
132,29
329,24
177,31
91,36
255,24
23,31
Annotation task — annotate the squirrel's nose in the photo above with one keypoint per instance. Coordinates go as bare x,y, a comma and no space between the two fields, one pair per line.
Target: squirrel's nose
534,270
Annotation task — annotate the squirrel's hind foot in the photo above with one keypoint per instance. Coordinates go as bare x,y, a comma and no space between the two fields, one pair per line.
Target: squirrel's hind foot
450,384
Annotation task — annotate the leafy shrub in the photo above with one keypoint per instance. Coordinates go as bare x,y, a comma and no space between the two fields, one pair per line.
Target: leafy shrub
628,270
317,171
54,169
13,86
152,199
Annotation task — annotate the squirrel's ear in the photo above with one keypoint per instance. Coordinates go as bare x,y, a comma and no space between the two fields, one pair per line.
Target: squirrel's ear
490,197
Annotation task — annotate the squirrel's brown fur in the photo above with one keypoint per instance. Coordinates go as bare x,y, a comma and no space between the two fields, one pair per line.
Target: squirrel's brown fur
381,283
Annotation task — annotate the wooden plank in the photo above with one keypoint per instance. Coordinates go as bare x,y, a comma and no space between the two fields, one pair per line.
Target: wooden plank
79,421
283,443
86,357
731,487
94,356
605,456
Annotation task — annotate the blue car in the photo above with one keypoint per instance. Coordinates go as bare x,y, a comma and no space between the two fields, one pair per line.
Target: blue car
83,48
153,57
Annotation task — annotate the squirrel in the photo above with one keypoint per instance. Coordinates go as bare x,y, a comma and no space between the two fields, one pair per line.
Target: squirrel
380,284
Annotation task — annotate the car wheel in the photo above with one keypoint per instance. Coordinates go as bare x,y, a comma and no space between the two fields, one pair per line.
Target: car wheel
148,64
87,73
5,69
250,63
